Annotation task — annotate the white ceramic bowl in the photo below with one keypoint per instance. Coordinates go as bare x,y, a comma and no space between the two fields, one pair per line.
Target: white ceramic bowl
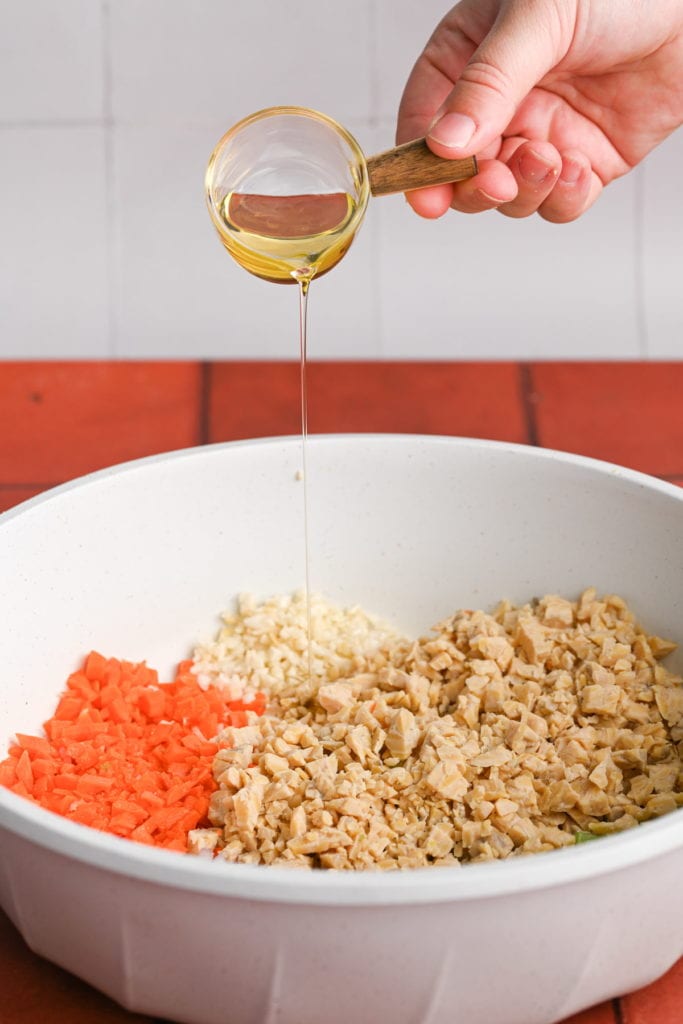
137,562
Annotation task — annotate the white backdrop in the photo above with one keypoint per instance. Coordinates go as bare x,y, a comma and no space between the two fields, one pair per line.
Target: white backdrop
108,112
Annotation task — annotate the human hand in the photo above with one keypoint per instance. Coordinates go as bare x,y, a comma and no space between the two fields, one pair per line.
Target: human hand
555,97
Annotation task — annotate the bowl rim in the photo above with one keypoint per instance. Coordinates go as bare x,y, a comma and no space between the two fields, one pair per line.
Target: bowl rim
103,851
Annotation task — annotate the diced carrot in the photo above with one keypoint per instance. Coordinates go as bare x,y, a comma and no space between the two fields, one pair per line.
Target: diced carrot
24,770
258,705
65,780
119,710
176,753
165,818
208,725
87,814
112,673
126,754
42,786
123,824
87,756
34,744
152,704
208,749
69,708
95,666
179,791
191,742
141,835
160,733
177,844
43,767
57,802
90,785
238,719
150,801
108,693
8,772
82,686
83,729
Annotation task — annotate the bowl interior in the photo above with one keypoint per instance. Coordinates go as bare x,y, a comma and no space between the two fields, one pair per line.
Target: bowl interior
138,561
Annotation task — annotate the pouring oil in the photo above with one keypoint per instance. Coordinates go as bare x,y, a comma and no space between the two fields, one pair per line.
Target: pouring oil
288,240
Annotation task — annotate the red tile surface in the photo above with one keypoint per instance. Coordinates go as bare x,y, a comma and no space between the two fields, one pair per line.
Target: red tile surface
629,413
35,992
253,400
659,1003
59,420
603,1014
262,399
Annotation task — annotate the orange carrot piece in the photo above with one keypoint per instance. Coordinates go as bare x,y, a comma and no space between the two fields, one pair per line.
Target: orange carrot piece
79,683
123,824
43,767
152,703
34,744
119,710
238,719
65,780
69,708
95,666
90,785
8,772
24,770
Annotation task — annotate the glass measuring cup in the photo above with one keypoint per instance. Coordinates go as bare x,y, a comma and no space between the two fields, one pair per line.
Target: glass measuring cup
287,189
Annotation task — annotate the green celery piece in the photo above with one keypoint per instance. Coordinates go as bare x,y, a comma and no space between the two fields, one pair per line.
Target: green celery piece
584,837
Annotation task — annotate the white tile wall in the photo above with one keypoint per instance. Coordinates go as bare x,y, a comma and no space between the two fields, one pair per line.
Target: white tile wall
402,29
50,60
179,60
53,252
662,250
488,286
108,112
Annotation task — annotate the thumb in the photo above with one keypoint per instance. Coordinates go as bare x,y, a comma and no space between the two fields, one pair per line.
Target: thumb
525,42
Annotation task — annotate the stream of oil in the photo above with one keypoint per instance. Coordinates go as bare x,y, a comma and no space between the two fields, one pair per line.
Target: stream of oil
304,284
287,240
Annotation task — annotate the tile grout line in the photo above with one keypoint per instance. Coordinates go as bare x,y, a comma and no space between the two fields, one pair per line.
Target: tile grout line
109,196
618,1011
204,417
526,390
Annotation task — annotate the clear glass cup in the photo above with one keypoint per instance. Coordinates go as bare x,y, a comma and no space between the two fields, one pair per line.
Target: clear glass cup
287,189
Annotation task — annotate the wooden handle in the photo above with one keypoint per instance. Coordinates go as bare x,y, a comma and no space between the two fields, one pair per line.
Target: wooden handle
413,165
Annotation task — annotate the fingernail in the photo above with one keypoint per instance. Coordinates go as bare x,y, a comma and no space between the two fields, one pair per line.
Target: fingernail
534,168
571,171
454,130
496,200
